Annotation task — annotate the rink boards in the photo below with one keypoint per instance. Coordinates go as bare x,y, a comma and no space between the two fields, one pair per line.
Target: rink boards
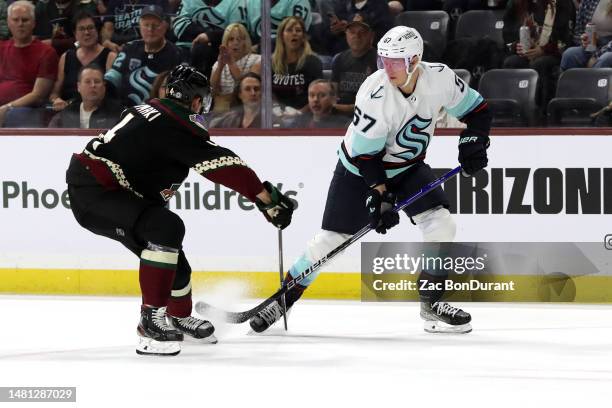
538,188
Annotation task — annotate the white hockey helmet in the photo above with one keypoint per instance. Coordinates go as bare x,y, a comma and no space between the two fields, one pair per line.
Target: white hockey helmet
401,42
398,48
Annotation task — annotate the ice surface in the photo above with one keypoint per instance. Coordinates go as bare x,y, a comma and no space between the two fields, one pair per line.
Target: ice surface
336,354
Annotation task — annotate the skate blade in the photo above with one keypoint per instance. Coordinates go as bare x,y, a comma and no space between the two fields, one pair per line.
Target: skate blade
150,347
434,326
205,340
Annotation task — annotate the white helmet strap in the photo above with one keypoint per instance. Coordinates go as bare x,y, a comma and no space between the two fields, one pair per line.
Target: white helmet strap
408,72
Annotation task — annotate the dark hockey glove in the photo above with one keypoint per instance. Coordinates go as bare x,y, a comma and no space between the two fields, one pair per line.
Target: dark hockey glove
473,153
379,210
280,209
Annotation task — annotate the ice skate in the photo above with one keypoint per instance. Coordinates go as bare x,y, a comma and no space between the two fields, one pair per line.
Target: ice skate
440,317
274,311
267,317
156,337
197,329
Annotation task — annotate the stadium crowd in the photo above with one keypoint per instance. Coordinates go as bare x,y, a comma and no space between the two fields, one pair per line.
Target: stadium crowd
78,63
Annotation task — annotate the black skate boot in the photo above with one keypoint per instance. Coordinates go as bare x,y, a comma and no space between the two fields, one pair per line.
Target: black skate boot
156,337
274,311
440,317
198,329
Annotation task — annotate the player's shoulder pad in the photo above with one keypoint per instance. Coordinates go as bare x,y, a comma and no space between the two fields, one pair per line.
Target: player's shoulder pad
373,90
436,70
438,76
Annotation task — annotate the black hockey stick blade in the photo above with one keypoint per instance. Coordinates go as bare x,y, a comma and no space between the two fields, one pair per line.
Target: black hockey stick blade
204,308
241,317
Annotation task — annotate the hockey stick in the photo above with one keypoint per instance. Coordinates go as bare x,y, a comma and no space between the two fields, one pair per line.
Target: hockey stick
241,317
281,274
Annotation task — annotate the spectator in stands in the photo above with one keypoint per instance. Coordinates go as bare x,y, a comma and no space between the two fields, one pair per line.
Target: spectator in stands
395,7
4,31
121,23
199,29
294,66
28,67
235,59
54,21
321,113
91,109
136,67
246,106
351,67
89,51
279,10
101,7
374,11
549,22
600,13
158,89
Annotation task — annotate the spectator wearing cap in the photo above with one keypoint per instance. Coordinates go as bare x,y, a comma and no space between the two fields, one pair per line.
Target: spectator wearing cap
131,77
350,68
91,109
28,67
321,112
376,12
121,23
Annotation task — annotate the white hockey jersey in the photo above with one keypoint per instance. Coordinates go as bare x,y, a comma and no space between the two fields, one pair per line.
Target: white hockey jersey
386,120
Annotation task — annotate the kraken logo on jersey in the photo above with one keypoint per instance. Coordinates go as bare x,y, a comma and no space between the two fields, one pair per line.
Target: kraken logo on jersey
208,17
141,82
412,138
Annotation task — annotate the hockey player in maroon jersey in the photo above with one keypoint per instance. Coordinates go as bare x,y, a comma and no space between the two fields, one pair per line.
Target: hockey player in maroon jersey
119,186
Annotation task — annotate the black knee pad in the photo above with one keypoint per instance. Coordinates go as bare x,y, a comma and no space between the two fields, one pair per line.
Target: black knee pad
183,273
160,226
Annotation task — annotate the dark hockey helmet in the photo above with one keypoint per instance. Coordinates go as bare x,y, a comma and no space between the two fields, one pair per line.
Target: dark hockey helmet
185,83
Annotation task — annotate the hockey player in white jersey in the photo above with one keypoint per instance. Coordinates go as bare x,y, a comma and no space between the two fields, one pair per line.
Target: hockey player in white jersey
381,159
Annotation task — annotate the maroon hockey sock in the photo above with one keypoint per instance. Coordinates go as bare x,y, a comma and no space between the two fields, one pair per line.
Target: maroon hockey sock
156,275
179,306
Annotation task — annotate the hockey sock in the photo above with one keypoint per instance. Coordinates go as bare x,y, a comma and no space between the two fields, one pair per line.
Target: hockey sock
157,270
179,304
